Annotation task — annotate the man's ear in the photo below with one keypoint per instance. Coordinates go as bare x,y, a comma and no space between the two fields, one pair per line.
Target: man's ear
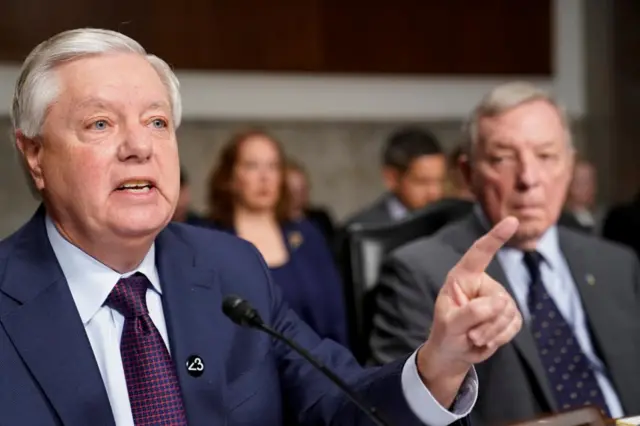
464,163
390,177
31,151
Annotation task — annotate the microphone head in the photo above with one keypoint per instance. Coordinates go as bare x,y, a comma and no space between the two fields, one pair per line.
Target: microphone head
240,311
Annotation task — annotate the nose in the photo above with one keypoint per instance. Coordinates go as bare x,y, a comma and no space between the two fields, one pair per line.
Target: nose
265,172
528,175
136,144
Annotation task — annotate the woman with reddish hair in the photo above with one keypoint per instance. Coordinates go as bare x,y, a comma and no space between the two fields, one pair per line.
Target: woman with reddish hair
248,196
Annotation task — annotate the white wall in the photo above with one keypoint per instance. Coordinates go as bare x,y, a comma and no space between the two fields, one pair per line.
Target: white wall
256,96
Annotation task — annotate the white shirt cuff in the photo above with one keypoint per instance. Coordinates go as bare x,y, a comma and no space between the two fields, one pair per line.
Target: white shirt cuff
425,406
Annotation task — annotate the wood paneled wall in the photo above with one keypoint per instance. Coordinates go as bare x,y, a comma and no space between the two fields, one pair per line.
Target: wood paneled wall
452,37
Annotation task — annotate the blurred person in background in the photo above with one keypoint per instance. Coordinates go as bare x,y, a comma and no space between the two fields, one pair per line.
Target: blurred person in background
183,212
414,171
299,189
581,198
248,196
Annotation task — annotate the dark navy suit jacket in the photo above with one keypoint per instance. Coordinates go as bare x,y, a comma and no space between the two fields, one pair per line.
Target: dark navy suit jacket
48,374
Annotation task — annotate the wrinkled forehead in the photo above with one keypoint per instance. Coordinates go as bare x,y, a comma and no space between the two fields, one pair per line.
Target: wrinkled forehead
533,124
99,81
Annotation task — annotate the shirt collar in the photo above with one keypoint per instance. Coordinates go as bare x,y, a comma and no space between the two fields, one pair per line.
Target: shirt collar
548,245
89,280
396,209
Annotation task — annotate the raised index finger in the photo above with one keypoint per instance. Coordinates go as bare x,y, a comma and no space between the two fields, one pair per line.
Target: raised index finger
478,257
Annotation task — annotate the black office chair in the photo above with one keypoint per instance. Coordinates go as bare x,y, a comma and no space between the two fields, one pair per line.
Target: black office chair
366,248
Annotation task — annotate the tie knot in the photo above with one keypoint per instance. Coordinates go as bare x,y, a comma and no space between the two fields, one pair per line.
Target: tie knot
532,260
129,296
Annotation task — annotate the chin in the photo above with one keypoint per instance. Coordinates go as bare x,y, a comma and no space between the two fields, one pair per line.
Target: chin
132,231
264,205
136,224
530,229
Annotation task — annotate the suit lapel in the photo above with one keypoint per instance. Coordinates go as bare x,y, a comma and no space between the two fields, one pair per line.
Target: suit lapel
192,307
466,233
47,332
380,210
593,296
598,303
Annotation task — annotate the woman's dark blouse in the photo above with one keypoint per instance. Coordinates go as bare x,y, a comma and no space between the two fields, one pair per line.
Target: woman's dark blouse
310,281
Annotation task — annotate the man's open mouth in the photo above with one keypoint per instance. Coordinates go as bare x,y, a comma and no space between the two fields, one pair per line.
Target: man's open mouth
136,186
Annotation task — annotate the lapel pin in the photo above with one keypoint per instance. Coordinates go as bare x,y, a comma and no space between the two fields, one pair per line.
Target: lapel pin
195,366
591,280
295,239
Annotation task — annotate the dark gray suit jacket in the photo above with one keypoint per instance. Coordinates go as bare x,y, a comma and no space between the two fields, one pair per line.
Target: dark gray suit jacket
377,213
513,385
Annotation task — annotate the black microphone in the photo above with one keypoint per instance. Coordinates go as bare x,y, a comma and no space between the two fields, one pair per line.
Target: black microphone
242,313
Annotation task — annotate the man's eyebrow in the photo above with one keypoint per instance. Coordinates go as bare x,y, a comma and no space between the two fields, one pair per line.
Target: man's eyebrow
500,145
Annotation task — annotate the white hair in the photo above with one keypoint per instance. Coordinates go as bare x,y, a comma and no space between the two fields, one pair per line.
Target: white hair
505,97
37,87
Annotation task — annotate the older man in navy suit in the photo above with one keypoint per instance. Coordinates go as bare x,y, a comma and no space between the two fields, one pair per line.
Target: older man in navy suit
104,305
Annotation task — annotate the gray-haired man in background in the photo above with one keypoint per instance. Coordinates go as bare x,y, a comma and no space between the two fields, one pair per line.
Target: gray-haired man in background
580,296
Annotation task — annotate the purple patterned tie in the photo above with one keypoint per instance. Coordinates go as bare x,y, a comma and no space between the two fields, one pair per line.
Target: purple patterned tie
568,369
154,391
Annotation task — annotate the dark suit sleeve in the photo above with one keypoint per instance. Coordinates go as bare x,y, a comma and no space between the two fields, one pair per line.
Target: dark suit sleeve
316,401
403,315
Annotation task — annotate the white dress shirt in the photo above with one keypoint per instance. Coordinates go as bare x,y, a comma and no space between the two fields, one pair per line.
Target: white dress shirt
91,282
